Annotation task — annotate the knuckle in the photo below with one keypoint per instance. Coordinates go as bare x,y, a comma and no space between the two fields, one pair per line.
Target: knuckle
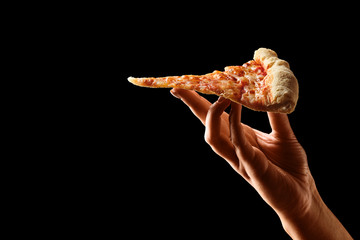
214,110
210,139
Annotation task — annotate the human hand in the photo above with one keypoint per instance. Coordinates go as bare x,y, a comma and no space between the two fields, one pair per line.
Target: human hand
275,164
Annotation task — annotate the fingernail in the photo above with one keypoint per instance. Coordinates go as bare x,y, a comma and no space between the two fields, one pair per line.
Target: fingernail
221,99
174,93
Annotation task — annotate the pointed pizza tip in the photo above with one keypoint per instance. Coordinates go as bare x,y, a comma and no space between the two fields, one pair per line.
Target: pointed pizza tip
135,81
131,79
142,82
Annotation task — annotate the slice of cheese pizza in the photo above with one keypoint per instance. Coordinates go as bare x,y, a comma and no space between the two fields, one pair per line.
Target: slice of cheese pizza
263,84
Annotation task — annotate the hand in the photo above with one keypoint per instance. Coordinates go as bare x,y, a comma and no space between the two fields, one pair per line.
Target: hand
275,164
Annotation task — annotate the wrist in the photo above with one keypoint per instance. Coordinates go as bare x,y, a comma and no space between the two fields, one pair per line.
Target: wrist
303,218
313,221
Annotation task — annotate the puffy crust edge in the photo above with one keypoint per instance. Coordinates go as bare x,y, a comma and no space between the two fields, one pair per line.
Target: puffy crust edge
284,85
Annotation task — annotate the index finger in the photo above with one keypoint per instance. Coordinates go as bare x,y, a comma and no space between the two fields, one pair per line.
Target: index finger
197,104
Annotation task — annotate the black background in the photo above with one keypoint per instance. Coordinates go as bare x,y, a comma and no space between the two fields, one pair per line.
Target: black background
147,169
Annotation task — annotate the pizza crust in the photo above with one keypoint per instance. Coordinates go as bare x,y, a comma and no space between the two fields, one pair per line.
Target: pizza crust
284,86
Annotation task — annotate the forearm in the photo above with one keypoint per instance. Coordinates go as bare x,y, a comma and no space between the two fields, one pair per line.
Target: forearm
317,223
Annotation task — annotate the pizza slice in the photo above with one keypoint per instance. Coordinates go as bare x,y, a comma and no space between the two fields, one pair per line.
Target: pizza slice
263,84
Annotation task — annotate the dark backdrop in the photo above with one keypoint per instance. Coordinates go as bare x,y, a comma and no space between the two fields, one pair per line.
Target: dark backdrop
152,172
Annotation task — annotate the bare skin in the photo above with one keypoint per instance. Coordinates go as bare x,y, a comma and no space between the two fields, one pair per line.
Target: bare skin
275,164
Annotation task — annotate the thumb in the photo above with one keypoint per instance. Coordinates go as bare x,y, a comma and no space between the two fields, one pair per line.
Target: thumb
280,125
